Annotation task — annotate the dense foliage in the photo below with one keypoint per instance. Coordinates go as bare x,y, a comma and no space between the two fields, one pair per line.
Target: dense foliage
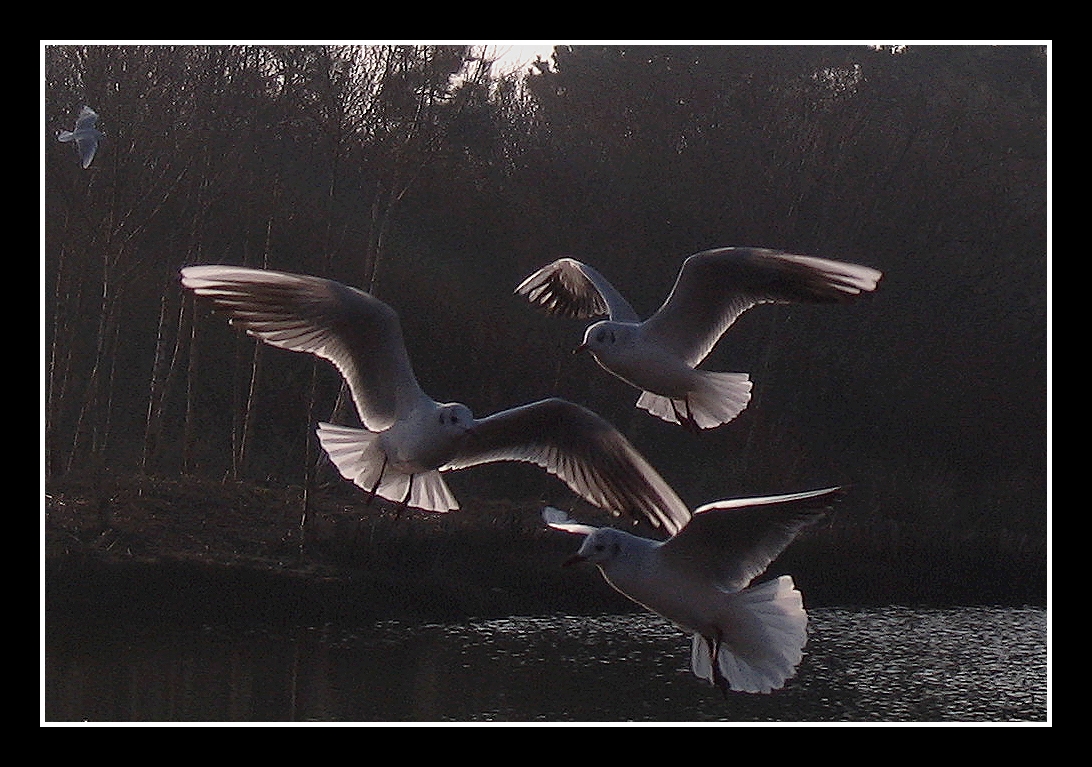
414,172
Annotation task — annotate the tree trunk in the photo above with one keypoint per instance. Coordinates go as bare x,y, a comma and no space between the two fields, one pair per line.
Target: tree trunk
191,377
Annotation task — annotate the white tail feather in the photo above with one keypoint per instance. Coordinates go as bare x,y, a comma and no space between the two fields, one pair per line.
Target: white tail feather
763,633
356,454
719,398
431,493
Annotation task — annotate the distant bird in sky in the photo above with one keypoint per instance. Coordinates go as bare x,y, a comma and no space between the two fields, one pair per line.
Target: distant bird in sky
408,438
86,136
748,638
713,289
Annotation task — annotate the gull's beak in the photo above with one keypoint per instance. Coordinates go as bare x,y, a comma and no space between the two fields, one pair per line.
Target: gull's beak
575,558
583,347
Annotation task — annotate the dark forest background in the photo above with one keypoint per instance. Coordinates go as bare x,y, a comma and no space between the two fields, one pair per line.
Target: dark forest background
419,174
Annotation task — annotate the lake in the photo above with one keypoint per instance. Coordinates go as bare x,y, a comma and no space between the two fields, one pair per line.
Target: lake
891,664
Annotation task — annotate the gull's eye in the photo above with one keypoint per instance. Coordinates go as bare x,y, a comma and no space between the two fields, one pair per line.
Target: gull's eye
599,547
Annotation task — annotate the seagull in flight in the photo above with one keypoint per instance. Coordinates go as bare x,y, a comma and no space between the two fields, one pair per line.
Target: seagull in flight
747,636
713,288
85,135
408,439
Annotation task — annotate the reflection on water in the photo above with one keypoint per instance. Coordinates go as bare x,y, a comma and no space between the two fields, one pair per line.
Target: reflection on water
884,665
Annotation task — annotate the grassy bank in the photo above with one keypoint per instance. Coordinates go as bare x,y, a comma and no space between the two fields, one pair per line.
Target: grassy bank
138,547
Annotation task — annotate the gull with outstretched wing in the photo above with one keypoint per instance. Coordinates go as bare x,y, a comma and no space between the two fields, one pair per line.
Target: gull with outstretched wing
747,636
713,288
85,135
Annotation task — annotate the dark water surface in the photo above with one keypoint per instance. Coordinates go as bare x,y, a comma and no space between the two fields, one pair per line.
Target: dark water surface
891,664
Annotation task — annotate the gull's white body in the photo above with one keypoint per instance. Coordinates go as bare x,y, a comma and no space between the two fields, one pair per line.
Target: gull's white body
748,638
85,135
671,389
408,439
713,288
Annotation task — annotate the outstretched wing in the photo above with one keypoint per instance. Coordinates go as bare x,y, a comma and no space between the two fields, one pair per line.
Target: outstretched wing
568,288
715,287
358,333
584,451
729,543
559,520
86,118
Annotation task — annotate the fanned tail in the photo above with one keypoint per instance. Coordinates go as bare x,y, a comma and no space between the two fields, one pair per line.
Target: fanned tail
357,456
719,398
763,633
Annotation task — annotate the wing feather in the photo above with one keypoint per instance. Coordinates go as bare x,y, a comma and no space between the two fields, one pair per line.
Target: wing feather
87,118
715,287
355,331
584,451
730,543
569,288
560,520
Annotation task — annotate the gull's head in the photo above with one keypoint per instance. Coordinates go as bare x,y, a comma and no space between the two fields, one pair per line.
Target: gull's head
599,547
456,419
605,336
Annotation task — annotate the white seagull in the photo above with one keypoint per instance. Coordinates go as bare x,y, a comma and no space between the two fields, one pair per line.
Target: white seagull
714,287
748,638
408,438
86,135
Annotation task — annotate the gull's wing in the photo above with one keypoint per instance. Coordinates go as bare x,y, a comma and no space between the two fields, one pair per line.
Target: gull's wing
730,543
86,118
358,333
584,451
715,287
568,288
559,520
87,146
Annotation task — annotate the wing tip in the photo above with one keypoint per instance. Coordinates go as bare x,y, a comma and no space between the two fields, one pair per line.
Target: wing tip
823,497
